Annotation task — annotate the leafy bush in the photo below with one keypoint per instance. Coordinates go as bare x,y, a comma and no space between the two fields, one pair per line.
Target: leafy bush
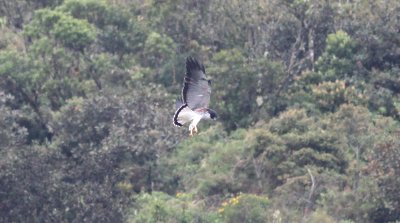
160,207
246,208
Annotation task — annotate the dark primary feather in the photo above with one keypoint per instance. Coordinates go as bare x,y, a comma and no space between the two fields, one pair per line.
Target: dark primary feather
197,89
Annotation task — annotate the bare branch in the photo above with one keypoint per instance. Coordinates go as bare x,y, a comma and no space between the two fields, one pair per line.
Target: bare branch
309,202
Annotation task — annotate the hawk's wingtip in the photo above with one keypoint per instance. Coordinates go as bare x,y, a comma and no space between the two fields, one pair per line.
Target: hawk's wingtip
193,63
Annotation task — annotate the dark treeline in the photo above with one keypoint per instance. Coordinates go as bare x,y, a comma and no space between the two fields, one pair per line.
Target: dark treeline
308,94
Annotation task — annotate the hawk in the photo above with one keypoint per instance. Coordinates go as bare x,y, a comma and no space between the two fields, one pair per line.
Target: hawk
196,94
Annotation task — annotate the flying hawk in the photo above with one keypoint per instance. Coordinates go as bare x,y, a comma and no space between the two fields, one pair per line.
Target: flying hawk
195,97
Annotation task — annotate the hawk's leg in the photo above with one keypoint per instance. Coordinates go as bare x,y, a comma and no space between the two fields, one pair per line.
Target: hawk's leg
192,129
191,132
193,125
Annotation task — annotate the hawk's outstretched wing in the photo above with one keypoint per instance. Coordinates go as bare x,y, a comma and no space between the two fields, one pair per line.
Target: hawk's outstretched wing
197,89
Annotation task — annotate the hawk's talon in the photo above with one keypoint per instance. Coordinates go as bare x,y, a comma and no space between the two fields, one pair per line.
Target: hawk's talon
195,129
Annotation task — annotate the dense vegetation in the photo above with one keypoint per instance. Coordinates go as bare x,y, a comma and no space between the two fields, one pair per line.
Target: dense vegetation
308,94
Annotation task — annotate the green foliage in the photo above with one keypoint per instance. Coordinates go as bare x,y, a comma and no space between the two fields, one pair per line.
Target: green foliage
158,46
328,96
120,33
385,98
160,207
384,166
338,79
320,216
201,170
73,33
361,200
232,73
11,134
338,60
308,94
246,208
233,164
88,9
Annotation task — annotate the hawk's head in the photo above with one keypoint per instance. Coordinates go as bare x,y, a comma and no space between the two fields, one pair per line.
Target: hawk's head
213,115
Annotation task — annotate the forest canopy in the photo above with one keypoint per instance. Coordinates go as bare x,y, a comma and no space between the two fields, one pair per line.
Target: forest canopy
308,94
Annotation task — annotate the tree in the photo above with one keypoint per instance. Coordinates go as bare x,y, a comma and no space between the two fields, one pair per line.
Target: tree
231,75
121,33
339,59
307,92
